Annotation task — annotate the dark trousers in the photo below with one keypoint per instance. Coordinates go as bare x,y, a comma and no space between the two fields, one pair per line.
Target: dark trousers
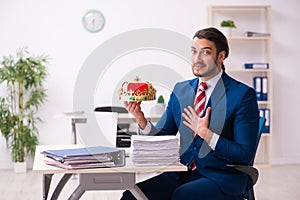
190,185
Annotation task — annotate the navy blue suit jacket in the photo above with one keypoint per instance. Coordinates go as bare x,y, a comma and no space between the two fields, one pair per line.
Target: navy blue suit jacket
234,116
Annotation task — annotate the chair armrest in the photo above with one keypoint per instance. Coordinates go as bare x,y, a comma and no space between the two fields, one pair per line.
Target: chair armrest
249,170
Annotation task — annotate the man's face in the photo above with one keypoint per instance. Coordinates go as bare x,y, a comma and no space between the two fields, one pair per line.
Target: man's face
205,61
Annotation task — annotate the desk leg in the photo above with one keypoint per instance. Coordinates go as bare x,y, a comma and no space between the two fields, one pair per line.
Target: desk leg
46,184
60,186
108,181
74,135
137,193
77,193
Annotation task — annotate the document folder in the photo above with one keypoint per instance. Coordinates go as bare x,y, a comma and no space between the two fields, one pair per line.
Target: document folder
264,90
256,65
257,85
87,157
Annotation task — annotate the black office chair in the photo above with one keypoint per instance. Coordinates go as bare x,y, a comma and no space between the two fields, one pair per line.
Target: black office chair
123,133
251,171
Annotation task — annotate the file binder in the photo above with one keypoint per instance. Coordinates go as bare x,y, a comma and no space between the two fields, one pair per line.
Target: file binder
98,156
260,85
264,91
265,112
257,84
261,113
256,34
267,124
256,65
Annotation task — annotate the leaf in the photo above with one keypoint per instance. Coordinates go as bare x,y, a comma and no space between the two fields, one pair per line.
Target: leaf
228,23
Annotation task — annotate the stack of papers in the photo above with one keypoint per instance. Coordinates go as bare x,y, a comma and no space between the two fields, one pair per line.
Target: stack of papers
89,157
155,150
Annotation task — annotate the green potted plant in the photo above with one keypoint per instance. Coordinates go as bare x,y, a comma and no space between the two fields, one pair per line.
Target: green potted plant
161,99
227,26
23,77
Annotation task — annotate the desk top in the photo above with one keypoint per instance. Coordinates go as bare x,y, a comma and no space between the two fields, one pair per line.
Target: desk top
40,167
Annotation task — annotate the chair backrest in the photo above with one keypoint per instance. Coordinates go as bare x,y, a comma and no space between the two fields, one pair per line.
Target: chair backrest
253,172
262,122
111,109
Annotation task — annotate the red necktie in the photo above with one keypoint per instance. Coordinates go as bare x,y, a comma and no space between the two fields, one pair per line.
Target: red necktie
199,104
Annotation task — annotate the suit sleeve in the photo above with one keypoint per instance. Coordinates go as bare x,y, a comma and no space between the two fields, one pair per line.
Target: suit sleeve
244,122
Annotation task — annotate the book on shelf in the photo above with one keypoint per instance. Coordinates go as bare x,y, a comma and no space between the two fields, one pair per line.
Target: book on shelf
260,85
256,34
258,65
87,157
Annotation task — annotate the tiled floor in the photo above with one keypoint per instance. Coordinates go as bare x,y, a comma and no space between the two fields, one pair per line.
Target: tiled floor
275,183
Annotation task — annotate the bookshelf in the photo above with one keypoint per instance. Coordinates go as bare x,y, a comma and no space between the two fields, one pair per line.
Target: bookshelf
245,49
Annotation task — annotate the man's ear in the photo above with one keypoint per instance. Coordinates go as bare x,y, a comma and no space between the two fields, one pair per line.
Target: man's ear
222,55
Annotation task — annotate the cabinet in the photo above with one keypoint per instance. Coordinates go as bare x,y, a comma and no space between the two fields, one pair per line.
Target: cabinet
250,49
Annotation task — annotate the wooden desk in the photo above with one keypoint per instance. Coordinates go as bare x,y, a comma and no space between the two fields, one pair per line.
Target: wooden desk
118,178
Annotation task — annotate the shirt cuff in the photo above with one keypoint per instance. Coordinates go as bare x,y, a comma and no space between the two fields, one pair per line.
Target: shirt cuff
213,142
146,130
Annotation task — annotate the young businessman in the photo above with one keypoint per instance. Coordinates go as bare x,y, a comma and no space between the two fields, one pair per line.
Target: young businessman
217,118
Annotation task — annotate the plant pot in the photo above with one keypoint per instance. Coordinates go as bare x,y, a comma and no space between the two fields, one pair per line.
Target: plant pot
20,167
227,31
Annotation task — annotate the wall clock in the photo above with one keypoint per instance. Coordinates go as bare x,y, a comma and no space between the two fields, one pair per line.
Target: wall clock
93,21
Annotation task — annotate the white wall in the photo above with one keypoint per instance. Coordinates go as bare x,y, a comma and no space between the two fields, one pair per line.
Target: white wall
54,28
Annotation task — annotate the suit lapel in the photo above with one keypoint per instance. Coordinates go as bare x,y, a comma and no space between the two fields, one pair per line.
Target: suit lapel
219,91
195,83
187,98
218,103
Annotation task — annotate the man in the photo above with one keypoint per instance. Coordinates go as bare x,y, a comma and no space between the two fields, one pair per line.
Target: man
218,125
